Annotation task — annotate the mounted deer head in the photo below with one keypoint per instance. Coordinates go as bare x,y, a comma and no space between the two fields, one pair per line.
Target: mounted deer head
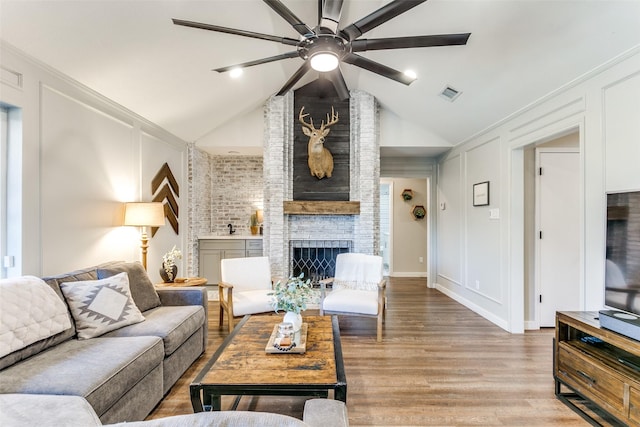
320,160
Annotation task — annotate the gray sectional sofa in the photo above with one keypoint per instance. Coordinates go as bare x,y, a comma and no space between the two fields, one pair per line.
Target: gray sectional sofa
123,373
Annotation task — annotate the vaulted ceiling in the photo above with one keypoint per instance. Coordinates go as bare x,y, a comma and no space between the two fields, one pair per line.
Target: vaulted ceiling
129,51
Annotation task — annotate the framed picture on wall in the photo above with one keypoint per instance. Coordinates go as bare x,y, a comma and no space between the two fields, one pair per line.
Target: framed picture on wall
481,194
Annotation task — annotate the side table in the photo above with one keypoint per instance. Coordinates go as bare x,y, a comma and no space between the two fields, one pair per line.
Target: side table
184,281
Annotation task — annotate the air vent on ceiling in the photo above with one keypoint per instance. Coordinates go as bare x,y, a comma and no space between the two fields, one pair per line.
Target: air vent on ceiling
450,94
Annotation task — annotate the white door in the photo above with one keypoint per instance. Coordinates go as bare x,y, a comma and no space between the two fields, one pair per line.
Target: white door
558,228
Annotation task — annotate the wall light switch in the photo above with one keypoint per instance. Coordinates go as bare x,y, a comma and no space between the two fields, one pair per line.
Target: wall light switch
494,213
443,206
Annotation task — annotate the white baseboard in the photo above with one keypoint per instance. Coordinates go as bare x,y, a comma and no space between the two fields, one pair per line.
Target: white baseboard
474,307
408,274
531,325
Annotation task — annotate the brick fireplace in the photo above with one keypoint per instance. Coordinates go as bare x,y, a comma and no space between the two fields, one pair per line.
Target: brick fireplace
281,229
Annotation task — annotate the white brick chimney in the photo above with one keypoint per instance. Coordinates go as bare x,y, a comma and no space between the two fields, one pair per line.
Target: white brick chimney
281,228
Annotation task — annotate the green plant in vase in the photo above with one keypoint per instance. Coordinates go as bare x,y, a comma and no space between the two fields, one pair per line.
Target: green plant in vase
292,297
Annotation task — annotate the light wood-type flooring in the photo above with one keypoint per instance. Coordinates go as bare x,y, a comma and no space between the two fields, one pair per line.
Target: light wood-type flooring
439,364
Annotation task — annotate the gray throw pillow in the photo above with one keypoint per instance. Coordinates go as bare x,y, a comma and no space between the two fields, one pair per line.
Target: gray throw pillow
100,306
142,290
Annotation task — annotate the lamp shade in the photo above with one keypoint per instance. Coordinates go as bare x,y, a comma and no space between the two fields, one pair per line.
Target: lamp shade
142,214
260,216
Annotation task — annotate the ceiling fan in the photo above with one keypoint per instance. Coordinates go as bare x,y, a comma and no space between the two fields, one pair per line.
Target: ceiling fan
323,47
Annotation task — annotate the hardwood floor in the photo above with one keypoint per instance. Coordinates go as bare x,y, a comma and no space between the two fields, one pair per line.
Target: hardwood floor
439,364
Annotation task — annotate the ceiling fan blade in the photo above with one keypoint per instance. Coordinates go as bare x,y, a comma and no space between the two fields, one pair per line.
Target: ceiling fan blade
289,16
209,27
378,17
376,67
304,68
337,79
362,45
287,55
330,15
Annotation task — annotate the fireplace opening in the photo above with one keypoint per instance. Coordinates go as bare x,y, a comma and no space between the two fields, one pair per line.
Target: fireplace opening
316,258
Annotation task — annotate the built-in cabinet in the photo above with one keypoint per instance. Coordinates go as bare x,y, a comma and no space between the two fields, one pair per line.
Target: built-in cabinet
212,251
597,364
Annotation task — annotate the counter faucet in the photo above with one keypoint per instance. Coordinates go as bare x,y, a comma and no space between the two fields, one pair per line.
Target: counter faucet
231,229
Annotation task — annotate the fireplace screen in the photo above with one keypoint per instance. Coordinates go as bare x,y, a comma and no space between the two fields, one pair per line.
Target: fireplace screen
316,258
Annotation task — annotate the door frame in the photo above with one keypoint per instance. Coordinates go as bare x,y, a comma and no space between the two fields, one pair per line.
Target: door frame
389,182
537,250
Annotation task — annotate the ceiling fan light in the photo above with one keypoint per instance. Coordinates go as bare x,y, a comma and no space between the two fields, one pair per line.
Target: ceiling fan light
324,61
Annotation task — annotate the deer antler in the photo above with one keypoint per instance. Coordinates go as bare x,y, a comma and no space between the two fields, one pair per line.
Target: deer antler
330,121
301,119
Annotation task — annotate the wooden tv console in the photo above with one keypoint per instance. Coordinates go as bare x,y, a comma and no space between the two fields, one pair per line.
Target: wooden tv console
597,364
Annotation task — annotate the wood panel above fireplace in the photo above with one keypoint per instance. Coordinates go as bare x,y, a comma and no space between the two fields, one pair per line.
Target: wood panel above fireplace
307,207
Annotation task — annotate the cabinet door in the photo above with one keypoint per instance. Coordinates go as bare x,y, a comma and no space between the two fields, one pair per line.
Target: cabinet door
233,253
209,265
254,248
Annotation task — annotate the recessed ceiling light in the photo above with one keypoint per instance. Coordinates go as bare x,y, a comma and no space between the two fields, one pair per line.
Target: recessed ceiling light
235,73
411,74
450,94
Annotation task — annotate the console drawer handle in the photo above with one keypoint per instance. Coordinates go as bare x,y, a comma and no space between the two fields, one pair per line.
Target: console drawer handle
587,377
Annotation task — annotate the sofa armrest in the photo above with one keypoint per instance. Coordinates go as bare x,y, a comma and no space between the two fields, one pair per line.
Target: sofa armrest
325,413
188,295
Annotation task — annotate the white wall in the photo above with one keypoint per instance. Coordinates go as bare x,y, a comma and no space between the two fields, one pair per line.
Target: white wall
244,134
395,131
81,156
604,107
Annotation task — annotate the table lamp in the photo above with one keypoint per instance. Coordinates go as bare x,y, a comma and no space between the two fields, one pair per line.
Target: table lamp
141,214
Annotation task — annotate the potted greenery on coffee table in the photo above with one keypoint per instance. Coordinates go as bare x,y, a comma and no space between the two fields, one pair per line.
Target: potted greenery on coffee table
292,298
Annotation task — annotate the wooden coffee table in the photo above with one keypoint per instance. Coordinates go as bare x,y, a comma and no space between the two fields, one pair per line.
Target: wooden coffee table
241,366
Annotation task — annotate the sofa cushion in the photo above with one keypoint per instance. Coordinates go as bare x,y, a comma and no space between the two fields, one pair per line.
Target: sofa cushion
54,282
352,301
142,290
88,273
173,324
100,306
30,311
251,302
68,411
220,419
101,370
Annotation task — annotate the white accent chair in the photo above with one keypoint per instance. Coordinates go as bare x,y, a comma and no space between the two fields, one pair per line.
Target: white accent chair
244,287
358,288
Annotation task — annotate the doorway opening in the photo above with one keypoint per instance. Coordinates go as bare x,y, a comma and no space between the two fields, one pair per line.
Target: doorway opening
404,239
552,229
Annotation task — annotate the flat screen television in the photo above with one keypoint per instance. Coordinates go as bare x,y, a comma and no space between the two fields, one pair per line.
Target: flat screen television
622,278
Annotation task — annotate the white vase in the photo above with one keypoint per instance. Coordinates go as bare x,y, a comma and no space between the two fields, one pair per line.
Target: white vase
294,318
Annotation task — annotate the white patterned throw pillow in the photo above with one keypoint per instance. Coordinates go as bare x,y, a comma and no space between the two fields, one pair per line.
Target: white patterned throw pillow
100,306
